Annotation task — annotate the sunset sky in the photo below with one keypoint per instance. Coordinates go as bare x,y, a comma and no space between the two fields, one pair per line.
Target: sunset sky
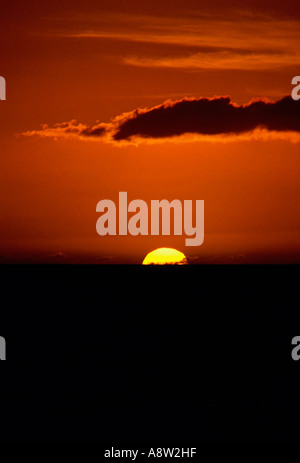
159,99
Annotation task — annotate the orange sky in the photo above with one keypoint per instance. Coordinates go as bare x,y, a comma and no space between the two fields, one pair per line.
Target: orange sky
94,60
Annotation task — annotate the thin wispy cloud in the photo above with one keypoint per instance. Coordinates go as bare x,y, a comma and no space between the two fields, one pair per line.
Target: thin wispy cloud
239,43
224,60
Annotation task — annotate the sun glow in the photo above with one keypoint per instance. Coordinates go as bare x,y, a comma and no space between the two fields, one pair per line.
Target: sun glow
163,256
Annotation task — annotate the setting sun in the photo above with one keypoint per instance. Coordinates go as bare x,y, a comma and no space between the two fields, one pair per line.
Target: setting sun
162,256
105,110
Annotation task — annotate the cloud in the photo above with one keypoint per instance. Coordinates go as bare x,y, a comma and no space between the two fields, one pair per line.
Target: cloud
214,116
240,41
216,60
208,118
70,130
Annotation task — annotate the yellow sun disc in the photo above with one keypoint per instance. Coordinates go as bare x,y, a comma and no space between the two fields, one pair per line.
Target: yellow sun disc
164,256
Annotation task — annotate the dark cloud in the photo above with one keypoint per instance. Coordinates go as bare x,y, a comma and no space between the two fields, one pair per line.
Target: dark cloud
203,117
97,131
209,117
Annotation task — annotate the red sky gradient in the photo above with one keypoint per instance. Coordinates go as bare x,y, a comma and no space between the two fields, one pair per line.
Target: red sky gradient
91,62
